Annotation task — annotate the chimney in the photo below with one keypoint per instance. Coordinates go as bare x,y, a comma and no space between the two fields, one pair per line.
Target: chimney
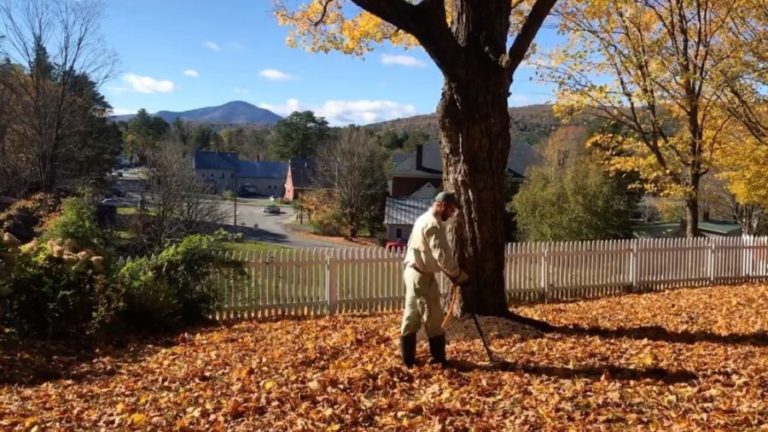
419,154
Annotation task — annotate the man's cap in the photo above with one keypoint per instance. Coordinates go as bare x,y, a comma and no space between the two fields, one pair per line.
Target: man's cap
447,197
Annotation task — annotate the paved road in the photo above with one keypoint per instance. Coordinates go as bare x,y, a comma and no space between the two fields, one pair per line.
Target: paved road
271,227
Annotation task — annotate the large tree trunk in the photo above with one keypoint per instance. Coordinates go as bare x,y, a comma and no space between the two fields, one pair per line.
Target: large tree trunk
474,121
692,207
477,65
692,216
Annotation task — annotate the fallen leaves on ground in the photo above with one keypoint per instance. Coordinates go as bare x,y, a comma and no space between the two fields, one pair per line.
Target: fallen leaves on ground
692,359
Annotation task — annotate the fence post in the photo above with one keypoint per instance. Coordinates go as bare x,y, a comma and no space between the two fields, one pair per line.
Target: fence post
711,260
633,265
331,290
545,272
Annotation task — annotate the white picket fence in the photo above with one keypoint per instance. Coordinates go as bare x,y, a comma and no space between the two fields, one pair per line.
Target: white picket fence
327,281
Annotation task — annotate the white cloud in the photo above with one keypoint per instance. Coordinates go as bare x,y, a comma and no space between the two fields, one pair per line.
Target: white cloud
123,111
241,91
402,60
275,75
191,72
288,107
341,112
211,46
145,84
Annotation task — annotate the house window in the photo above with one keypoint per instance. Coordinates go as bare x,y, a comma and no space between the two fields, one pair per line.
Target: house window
399,233
222,175
211,175
232,175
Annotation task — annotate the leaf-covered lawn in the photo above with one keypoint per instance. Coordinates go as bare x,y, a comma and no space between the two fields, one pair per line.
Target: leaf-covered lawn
694,359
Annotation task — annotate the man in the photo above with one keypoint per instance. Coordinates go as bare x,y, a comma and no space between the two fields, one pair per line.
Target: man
428,253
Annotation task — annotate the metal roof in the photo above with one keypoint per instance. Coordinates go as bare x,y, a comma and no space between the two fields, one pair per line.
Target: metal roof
521,156
263,169
209,160
404,211
302,172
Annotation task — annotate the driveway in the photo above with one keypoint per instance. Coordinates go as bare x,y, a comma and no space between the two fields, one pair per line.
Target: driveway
271,227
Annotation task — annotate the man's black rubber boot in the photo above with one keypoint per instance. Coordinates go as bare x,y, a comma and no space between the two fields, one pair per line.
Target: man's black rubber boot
437,349
408,349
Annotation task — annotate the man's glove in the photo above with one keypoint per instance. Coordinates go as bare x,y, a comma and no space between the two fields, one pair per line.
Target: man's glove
461,279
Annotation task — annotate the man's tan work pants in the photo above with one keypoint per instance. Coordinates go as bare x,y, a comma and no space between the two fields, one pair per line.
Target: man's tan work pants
422,298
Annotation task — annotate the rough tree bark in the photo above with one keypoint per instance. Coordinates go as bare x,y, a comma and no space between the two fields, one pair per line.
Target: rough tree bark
473,113
692,206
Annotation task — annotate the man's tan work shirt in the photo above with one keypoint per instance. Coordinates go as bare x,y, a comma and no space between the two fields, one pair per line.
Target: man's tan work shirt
428,248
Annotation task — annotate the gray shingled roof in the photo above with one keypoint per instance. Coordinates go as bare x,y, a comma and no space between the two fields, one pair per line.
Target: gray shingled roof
302,172
521,156
263,169
209,160
404,211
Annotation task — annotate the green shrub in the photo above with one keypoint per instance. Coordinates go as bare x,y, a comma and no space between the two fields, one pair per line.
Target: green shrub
171,289
228,195
223,235
77,222
46,296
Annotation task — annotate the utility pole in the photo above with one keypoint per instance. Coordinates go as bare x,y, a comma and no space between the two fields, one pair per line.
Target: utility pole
237,177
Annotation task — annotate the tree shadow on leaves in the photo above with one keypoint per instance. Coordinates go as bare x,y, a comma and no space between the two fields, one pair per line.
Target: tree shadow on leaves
599,372
661,334
34,362
654,333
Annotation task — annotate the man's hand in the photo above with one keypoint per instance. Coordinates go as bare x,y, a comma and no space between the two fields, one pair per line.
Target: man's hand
461,279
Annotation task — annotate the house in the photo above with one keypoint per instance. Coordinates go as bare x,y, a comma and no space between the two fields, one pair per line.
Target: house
412,171
673,229
300,178
417,177
225,171
262,177
419,173
401,213
216,168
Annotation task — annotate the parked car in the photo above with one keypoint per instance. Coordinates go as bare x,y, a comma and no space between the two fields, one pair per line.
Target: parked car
247,191
396,245
111,202
272,209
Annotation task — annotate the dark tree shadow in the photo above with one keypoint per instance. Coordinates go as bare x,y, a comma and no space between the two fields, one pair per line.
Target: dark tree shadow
658,333
655,333
591,372
34,362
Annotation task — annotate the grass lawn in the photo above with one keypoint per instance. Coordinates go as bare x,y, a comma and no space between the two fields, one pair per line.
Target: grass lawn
124,211
251,246
692,359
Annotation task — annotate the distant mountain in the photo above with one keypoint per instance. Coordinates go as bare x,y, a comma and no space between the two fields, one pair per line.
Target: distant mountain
237,112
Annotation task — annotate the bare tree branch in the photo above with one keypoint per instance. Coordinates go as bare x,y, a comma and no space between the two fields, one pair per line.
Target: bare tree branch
522,43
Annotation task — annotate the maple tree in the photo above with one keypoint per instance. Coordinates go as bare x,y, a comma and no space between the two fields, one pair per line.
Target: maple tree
747,98
742,168
468,41
659,72
570,197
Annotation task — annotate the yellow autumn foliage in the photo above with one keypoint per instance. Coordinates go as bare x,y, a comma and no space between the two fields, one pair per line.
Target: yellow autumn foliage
660,85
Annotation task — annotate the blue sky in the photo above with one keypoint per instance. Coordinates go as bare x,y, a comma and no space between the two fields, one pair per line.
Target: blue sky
181,54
